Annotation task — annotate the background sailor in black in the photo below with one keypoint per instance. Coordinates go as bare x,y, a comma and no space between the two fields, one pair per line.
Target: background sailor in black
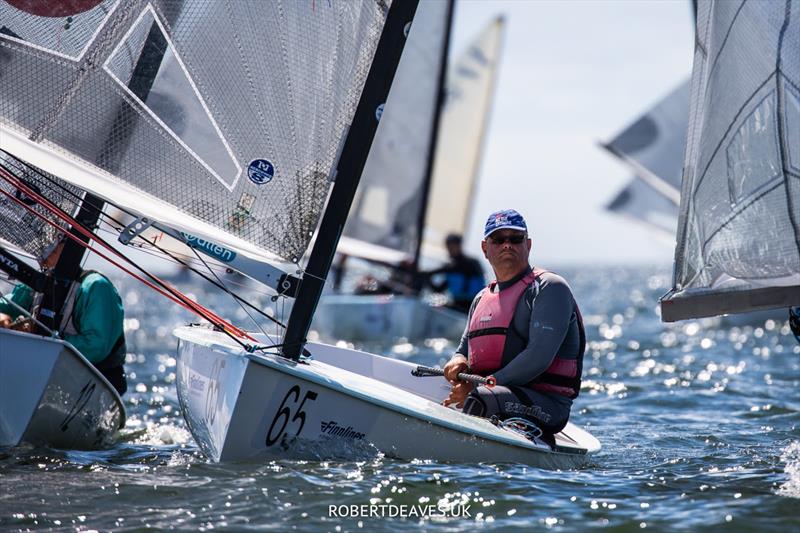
463,275
546,325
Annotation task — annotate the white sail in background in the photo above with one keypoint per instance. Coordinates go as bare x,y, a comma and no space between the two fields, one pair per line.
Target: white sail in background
238,137
470,91
383,223
739,231
653,148
383,220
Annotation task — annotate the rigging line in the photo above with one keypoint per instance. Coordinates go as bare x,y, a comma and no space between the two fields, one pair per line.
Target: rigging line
166,289
159,248
225,288
220,285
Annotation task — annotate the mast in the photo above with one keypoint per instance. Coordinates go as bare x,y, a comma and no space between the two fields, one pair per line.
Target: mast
348,173
436,120
68,267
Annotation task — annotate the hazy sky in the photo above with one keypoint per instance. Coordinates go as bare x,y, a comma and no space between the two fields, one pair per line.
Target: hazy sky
573,73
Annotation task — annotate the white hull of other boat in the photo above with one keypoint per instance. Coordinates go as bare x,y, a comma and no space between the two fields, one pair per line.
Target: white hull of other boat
340,402
382,318
50,395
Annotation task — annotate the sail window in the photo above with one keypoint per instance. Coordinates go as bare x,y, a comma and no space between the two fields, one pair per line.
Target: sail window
174,99
753,160
64,29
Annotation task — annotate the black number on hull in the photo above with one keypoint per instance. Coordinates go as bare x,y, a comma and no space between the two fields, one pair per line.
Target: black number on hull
285,414
83,398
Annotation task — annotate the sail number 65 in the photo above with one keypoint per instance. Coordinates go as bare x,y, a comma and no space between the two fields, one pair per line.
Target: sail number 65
284,414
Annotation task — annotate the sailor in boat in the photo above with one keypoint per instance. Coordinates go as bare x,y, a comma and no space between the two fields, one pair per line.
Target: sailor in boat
402,280
463,275
92,318
526,330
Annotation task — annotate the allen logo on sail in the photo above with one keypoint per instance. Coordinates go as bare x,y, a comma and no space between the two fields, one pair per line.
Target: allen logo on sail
212,249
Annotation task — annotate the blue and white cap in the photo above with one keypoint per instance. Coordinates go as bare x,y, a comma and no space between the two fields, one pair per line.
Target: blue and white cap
505,219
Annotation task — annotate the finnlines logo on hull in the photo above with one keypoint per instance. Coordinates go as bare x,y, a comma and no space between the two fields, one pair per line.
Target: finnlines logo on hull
334,429
212,249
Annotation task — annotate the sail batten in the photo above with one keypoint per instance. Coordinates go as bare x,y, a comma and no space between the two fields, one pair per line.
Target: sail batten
738,248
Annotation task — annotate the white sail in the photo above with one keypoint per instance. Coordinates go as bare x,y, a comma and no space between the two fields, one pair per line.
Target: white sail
234,138
470,91
383,221
738,237
385,215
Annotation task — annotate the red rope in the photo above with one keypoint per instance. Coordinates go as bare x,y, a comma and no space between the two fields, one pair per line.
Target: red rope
173,294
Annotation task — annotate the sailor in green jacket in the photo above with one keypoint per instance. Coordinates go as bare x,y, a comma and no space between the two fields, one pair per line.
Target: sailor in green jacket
92,320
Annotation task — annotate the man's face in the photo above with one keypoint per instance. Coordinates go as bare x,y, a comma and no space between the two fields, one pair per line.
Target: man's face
453,249
507,250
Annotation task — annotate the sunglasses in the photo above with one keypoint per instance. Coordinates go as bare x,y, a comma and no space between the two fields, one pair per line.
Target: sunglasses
512,239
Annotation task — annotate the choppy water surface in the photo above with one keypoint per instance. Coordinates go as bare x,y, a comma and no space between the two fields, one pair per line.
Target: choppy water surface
698,421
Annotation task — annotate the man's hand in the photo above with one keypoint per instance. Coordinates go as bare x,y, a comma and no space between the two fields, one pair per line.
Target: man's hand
458,394
456,365
22,324
5,321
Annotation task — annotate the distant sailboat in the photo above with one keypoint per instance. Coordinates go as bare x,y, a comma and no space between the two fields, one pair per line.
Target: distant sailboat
653,148
419,179
738,236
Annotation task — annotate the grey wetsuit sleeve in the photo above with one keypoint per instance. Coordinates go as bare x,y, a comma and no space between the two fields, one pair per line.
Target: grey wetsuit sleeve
463,345
550,319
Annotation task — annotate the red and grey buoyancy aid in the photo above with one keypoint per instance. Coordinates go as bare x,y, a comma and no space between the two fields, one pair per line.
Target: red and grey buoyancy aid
488,330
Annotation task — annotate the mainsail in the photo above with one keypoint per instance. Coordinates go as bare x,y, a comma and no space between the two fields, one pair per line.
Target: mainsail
653,148
470,92
392,188
739,235
238,139
398,181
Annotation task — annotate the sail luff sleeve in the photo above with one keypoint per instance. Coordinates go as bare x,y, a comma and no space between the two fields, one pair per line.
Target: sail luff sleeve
349,169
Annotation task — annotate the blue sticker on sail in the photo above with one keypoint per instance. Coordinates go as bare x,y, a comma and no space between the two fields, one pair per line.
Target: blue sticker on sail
379,112
260,171
212,249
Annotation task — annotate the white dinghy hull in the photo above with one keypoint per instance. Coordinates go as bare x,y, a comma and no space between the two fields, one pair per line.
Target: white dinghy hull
382,318
50,395
242,406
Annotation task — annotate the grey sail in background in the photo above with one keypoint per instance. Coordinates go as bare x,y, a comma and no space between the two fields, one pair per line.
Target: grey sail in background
238,139
738,238
653,148
390,194
642,203
653,145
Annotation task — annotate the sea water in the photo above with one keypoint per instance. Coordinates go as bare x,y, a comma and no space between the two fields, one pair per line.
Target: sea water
698,422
